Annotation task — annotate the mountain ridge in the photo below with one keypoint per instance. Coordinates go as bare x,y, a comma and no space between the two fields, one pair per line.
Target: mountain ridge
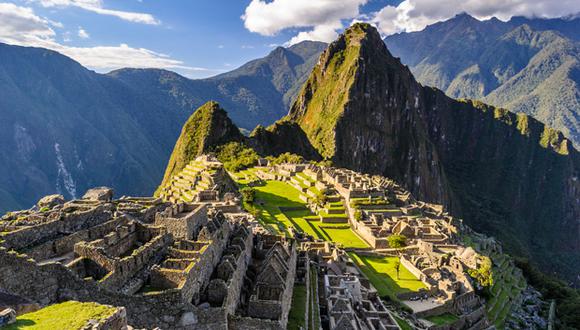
101,123
525,65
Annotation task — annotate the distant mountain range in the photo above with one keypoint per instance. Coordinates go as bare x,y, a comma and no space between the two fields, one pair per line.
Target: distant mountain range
65,128
259,92
524,65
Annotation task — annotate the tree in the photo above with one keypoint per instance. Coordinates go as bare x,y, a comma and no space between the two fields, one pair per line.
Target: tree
397,242
358,215
321,198
236,156
398,266
483,274
248,194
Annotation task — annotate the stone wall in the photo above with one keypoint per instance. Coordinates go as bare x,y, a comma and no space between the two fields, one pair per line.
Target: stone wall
52,283
248,323
66,244
236,280
66,223
183,221
106,252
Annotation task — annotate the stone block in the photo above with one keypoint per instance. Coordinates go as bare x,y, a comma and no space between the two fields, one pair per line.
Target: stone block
50,201
102,194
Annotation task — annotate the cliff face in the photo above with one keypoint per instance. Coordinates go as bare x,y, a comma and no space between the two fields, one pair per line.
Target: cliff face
282,136
506,174
208,127
361,108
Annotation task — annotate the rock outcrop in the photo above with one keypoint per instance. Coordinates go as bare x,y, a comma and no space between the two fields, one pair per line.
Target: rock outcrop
282,136
100,194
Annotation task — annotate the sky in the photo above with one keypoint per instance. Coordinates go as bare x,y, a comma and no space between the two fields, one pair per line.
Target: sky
202,38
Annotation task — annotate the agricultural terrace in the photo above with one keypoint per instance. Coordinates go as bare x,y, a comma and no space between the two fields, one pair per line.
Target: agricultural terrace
382,273
280,209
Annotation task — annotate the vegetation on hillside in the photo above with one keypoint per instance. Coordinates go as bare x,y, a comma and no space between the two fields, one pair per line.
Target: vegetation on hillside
526,66
236,156
567,298
208,127
326,91
483,274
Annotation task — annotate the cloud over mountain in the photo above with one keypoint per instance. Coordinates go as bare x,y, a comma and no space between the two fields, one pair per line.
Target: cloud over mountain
322,17
320,20
22,26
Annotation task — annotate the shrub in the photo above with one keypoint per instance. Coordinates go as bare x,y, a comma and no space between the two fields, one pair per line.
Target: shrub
236,157
483,274
248,194
397,241
286,158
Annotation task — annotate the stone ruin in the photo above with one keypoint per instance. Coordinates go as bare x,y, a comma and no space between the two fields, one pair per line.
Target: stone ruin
171,265
193,259
203,179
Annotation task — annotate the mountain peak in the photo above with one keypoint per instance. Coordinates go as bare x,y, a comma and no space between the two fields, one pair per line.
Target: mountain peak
208,127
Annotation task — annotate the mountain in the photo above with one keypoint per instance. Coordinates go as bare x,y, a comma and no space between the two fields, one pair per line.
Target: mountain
506,174
525,65
65,128
207,127
259,92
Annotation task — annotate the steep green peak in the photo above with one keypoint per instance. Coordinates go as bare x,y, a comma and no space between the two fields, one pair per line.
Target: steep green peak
208,127
325,94
358,54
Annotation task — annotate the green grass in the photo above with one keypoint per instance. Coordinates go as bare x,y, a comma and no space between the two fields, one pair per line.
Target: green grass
382,274
313,301
403,324
442,319
70,315
275,196
298,309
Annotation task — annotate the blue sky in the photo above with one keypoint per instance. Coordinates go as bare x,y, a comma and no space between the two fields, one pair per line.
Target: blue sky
200,38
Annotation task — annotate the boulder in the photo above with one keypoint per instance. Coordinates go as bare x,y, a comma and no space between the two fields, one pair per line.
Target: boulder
7,316
50,201
102,194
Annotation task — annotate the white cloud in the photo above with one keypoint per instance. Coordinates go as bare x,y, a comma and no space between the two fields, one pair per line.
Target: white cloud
96,6
83,34
21,26
323,17
415,15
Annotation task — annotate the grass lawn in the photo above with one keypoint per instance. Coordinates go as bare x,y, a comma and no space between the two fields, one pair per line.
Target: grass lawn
442,319
314,316
403,324
298,309
383,275
70,315
281,208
